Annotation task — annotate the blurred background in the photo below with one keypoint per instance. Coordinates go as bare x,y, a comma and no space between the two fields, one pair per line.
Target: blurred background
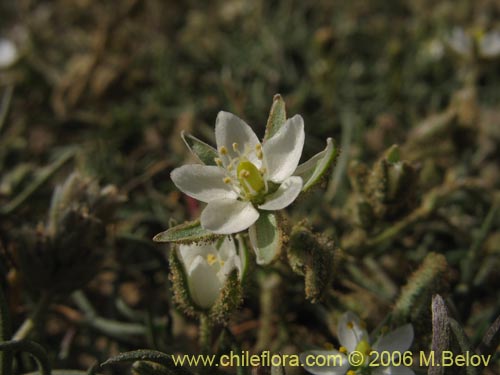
106,87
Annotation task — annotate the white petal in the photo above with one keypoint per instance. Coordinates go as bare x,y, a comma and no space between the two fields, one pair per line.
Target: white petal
227,216
398,340
188,253
231,129
285,195
393,370
202,182
350,332
282,152
204,285
227,248
335,363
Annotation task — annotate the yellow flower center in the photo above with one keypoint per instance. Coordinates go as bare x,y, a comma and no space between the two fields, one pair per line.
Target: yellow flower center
250,178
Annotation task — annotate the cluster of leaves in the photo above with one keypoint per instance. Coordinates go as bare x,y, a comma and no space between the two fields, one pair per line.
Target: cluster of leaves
105,88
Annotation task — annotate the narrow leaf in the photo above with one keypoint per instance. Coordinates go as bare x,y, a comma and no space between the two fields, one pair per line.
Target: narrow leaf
188,232
440,332
277,116
204,152
463,342
34,349
266,238
315,168
491,339
148,355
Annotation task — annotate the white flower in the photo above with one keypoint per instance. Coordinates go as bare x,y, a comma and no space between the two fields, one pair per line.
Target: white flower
8,53
353,337
248,176
207,268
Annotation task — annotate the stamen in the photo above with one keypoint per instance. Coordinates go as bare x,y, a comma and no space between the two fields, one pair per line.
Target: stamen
258,147
328,346
211,259
223,150
350,372
260,155
218,161
343,349
350,325
227,180
244,173
235,147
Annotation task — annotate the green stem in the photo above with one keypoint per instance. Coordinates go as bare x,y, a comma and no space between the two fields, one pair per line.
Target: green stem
32,319
205,333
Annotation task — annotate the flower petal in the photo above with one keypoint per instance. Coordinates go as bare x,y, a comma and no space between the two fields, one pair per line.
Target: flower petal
335,363
350,332
227,216
204,285
282,152
398,340
230,129
202,182
188,253
393,370
285,195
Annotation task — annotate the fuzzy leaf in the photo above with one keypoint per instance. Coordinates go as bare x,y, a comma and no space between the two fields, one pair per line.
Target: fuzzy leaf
463,342
266,238
277,117
315,168
187,232
440,332
146,355
491,339
204,152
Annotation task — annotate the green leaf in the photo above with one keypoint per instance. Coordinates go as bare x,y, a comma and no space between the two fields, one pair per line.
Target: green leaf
34,349
277,117
266,237
315,168
5,333
146,355
187,232
204,152
463,342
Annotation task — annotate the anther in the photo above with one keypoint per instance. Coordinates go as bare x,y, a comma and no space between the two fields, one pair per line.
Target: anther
218,161
343,349
223,150
350,372
235,146
211,259
258,147
260,155
244,173
328,346
227,180
350,325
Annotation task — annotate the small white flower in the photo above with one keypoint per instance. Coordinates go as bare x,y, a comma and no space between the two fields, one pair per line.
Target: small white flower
207,268
248,176
8,53
353,337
